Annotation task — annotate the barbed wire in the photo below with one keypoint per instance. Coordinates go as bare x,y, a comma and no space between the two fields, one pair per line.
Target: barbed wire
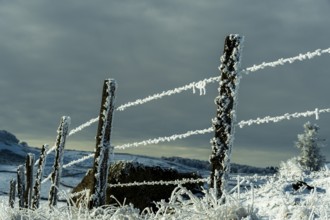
286,116
202,83
201,86
241,124
241,180
165,138
161,182
282,61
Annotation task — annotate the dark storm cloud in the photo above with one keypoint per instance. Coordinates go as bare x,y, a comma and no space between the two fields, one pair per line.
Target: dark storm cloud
55,55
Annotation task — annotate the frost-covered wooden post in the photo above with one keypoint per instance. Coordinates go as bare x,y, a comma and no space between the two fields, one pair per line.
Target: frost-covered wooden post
20,185
103,145
12,193
29,180
223,123
62,132
37,184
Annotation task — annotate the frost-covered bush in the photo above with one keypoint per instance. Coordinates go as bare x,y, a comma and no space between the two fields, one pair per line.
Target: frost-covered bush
291,169
308,143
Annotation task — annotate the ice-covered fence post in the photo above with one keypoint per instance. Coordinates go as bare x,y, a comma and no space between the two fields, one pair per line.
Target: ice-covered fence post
103,145
58,162
29,180
20,185
12,193
37,184
223,123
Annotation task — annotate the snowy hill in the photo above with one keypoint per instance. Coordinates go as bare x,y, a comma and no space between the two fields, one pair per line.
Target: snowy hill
12,151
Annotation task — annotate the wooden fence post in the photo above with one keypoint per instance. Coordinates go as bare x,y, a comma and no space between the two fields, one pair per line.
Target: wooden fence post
12,193
223,124
62,132
103,145
37,184
20,185
29,180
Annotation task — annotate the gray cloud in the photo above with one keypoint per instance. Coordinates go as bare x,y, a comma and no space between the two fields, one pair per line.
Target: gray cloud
55,55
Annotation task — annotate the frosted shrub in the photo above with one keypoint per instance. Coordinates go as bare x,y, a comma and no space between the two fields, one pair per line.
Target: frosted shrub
309,145
291,170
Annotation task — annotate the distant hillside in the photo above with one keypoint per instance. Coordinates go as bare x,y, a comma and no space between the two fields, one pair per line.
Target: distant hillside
235,168
13,152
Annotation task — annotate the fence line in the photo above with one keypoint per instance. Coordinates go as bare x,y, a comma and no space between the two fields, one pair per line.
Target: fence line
241,124
187,180
242,179
202,83
180,182
201,86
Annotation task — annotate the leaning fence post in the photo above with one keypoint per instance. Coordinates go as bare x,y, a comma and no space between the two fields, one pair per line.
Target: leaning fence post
12,193
223,123
29,180
20,185
37,184
58,162
103,145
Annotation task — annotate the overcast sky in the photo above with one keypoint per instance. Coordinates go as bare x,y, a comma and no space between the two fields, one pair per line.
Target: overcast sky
54,56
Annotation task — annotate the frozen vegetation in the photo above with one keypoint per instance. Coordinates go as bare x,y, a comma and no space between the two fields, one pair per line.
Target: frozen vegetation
259,197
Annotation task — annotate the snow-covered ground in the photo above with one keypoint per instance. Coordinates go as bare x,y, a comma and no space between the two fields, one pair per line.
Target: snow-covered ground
258,197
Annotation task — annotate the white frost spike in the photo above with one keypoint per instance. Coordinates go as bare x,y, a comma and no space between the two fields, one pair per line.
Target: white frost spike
201,86
317,114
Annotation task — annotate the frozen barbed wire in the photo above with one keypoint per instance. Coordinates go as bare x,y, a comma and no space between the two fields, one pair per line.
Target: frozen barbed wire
201,86
286,116
193,85
73,162
241,124
282,61
165,138
152,183
202,83
84,125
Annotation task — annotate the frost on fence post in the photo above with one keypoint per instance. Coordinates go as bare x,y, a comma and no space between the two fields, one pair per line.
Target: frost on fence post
20,185
37,184
58,162
103,145
29,180
223,124
12,193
